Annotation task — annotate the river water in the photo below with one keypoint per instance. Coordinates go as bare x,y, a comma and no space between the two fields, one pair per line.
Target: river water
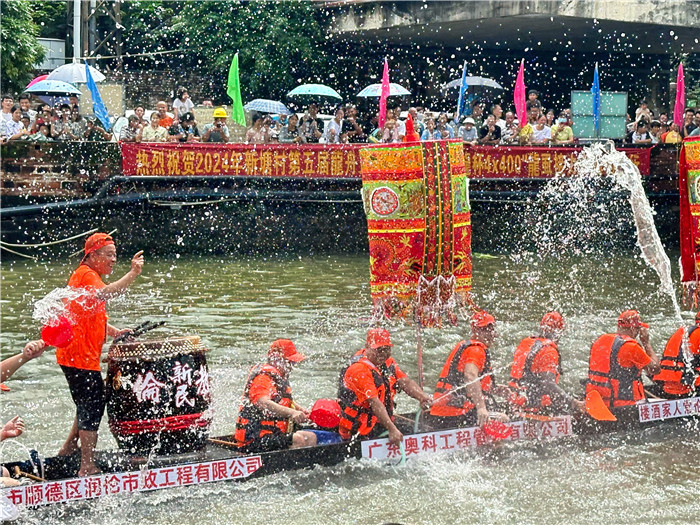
238,306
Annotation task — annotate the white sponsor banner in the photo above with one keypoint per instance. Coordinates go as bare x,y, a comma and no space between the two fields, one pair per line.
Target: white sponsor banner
463,438
51,492
669,409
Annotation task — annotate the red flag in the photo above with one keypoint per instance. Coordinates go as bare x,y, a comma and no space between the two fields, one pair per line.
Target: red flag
385,94
519,95
679,108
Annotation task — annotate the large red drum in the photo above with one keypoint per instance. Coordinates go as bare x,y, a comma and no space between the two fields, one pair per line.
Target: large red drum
158,395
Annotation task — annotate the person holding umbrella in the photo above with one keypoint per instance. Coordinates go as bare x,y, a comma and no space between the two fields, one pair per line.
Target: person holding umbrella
311,125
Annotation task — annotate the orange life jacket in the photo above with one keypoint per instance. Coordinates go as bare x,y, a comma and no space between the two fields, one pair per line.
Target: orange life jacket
674,374
387,369
253,422
523,380
459,403
357,417
618,385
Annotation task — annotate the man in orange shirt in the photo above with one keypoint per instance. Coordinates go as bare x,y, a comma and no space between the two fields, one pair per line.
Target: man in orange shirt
617,360
267,409
678,378
534,374
465,379
367,388
80,359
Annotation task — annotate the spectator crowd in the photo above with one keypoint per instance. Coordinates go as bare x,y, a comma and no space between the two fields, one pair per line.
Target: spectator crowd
483,125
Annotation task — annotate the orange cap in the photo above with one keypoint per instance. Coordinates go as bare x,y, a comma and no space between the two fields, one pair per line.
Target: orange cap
552,321
377,338
287,349
482,319
97,241
630,319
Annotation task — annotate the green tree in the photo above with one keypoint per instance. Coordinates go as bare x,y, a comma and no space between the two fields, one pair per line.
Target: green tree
50,16
20,48
280,43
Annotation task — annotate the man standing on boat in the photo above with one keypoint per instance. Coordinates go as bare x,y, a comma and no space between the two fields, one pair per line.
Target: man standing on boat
367,388
617,360
80,359
267,409
534,374
466,378
676,378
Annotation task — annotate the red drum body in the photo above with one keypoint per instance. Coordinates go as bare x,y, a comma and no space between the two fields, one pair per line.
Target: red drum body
158,395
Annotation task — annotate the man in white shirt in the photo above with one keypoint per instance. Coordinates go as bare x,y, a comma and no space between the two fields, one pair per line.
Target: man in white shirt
334,130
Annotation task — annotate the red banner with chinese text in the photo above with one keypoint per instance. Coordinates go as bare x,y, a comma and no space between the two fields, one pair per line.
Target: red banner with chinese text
515,162
250,160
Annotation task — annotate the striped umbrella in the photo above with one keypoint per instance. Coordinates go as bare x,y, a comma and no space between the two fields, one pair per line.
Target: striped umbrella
264,105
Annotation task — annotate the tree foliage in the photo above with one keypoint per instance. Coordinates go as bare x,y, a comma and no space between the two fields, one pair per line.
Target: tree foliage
19,46
50,17
280,43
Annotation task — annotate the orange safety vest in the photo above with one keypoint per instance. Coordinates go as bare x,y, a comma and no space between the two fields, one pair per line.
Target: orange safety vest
618,385
522,378
253,422
674,374
357,417
388,371
459,403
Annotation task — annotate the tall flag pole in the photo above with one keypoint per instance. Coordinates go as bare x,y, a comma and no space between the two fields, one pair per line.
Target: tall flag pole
233,89
679,108
595,91
462,89
386,89
98,107
519,95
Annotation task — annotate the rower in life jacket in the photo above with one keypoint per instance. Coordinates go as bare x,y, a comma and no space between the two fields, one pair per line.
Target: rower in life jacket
678,378
267,409
534,374
466,378
366,390
617,360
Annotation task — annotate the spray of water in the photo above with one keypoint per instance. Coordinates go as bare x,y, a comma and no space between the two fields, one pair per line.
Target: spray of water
54,305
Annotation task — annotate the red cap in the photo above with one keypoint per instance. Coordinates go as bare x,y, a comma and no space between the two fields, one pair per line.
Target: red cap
377,338
552,321
482,319
630,319
287,349
97,241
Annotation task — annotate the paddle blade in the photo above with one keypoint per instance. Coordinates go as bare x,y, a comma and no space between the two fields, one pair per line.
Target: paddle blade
497,430
596,407
57,332
325,413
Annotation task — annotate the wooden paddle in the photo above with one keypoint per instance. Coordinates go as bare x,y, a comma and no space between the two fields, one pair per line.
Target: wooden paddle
596,407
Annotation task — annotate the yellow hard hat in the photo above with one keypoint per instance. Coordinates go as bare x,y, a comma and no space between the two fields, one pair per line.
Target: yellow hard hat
220,113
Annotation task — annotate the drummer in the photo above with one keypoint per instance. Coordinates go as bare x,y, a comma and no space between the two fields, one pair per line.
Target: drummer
80,359
267,410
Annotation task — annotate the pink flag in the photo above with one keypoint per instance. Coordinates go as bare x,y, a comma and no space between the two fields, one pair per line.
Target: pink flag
519,95
679,108
384,95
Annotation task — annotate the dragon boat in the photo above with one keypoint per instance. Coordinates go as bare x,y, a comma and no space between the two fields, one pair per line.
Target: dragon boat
218,459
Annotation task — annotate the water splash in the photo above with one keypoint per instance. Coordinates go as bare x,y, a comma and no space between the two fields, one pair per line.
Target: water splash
54,305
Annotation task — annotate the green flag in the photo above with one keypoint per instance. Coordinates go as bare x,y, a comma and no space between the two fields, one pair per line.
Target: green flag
233,88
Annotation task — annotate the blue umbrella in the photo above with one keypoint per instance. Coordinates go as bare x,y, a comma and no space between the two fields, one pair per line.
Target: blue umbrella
52,87
375,90
318,90
264,105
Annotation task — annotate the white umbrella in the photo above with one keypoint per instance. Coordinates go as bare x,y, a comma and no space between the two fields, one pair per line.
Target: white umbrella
375,90
74,73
